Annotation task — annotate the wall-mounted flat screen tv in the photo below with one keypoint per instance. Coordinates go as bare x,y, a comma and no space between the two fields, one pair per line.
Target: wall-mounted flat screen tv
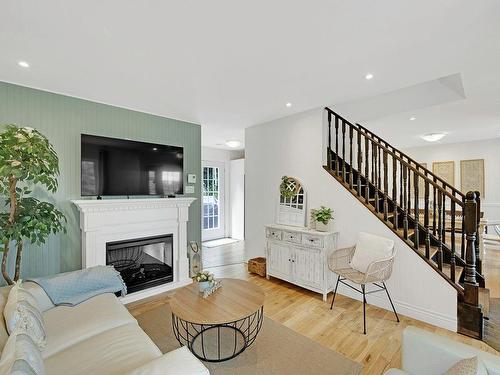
111,167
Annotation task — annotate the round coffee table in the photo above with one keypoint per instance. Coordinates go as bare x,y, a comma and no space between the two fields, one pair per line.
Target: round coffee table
221,326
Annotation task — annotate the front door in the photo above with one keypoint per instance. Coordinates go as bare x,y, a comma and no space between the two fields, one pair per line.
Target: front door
212,220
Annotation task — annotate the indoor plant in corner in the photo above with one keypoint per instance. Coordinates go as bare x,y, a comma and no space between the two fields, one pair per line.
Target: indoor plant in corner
26,159
322,216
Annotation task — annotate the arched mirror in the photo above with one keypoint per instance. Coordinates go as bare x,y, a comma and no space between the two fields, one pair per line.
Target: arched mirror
292,202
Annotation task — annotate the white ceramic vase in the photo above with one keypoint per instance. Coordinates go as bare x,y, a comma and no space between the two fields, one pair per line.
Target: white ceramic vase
202,285
320,227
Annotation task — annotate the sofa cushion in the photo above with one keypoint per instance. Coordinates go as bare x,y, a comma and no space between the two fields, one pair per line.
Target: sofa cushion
178,361
21,312
4,335
68,325
42,299
467,366
21,356
116,351
370,248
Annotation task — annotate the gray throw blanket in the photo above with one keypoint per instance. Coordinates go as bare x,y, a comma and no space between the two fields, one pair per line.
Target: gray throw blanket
72,288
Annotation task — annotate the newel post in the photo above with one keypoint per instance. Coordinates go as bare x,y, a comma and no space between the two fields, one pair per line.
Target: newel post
471,285
329,147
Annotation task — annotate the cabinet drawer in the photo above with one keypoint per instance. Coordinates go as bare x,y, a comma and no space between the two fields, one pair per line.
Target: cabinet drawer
273,233
292,237
311,240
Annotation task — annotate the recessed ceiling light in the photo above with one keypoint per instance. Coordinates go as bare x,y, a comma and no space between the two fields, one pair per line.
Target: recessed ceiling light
413,118
288,104
155,148
233,143
24,64
433,137
369,76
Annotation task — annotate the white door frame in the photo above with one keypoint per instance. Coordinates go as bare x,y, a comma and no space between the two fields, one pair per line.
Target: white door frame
220,232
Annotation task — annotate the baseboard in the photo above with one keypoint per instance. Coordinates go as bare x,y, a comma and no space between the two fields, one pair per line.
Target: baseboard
403,308
132,297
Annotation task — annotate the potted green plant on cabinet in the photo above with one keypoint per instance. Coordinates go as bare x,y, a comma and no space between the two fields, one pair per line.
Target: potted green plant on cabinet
26,159
322,217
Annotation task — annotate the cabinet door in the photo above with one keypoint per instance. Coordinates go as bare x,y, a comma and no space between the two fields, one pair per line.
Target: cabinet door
308,267
279,260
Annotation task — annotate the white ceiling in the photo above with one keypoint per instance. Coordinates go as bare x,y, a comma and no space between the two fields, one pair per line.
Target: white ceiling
230,64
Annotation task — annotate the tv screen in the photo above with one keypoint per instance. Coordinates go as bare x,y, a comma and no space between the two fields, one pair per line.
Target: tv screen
112,166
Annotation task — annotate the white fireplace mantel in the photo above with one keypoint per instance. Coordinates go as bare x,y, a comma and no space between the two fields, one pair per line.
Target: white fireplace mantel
109,220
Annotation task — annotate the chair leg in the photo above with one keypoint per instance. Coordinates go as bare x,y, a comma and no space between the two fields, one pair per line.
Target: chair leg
390,300
335,292
364,309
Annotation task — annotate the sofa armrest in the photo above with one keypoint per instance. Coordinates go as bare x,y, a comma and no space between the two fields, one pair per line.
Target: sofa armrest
44,302
179,361
427,353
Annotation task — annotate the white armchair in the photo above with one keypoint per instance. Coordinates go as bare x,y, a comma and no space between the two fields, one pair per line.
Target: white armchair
369,262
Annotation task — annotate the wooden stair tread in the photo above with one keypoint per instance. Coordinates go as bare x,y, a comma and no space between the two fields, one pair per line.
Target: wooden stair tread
432,250
458,271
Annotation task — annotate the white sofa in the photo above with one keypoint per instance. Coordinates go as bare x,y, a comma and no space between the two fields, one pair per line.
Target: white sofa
100,337
425,353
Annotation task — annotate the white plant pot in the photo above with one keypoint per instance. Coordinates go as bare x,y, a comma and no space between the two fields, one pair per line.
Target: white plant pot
202,285
320,227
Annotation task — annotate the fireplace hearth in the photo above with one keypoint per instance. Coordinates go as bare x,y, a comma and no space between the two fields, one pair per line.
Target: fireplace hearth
143,262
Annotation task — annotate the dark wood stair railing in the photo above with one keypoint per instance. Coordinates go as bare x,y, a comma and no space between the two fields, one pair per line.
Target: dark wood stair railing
439,222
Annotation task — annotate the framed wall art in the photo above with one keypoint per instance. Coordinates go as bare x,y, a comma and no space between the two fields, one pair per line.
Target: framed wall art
472,176
445,170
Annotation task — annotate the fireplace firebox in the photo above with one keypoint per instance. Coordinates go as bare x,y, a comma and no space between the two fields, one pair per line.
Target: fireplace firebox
143,262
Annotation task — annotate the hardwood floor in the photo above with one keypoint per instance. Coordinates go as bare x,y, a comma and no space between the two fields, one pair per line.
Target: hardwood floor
339,329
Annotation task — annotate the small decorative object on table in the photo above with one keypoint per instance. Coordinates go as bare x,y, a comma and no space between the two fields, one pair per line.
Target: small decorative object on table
322,217
258,266
212,288
204,279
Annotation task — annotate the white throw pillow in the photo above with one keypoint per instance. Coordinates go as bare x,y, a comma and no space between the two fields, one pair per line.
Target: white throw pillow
21,313
369,249
21,356
468,366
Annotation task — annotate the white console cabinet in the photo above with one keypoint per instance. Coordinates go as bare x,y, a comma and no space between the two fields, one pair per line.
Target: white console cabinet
299,256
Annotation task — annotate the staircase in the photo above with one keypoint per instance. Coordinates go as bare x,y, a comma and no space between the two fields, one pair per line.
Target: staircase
437,221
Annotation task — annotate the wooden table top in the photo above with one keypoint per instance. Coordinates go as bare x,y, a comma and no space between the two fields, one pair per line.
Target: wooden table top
234,300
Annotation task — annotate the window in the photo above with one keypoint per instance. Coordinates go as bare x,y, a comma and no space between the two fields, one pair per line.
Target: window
211,192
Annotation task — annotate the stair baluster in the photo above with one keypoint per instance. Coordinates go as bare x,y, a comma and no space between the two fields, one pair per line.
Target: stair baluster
452,239
351,175
440,230
426,222
377,178
405,202
394,192
416,210
329,151
343,151
386,187
360,164
367,170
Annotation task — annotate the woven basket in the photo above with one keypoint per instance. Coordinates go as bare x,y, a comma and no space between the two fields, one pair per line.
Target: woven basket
258,266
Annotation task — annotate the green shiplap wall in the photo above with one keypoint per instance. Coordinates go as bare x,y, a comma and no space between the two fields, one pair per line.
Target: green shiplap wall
62,120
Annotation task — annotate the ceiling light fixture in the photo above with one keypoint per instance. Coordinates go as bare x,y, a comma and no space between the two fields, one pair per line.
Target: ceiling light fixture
369,76
233,143
433,137
23,64
413,118
288,104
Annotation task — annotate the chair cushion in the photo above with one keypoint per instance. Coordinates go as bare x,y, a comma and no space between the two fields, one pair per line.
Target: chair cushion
117,351
68,325
370,248
21,356
21,313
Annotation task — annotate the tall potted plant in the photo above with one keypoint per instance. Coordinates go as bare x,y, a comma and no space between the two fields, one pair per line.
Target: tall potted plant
26,159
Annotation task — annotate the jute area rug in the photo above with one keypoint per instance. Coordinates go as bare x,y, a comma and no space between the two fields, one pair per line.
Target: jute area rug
277,350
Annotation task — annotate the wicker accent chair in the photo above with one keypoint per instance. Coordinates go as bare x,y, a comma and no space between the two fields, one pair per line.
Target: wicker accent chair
377,272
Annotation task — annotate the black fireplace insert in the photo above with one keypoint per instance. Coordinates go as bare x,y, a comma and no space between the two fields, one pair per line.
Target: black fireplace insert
143,262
